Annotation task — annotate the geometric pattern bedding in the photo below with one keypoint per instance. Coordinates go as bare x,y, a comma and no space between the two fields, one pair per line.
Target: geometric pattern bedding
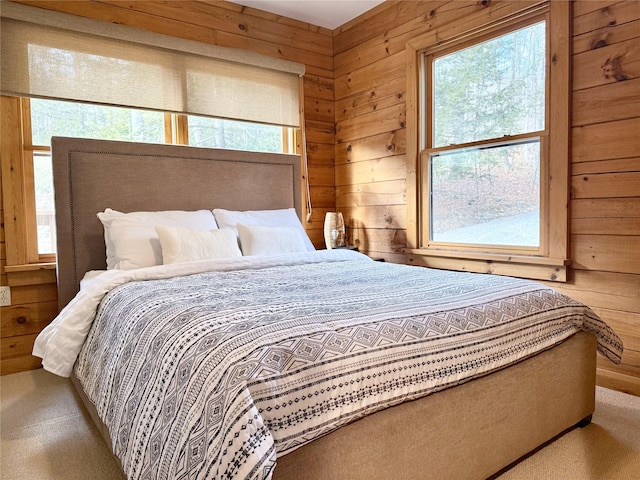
215,374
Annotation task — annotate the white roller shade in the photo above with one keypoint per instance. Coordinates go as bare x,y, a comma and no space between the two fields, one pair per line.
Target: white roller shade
58,56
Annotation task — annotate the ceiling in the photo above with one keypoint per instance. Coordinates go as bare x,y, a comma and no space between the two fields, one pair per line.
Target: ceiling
323,13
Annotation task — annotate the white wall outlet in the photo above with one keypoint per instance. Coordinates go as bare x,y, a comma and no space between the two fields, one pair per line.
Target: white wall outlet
5,296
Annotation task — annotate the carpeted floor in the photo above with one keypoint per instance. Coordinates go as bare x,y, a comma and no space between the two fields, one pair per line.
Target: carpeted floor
46,434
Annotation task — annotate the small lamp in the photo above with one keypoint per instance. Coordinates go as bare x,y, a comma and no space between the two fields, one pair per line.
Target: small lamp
334,231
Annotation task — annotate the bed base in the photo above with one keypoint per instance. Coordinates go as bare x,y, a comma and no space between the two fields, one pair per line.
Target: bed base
475,430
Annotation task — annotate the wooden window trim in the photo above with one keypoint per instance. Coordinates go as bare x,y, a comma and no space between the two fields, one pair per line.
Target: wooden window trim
18,196
551,263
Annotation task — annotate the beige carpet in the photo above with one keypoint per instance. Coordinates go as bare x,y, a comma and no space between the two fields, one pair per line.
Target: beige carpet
46,434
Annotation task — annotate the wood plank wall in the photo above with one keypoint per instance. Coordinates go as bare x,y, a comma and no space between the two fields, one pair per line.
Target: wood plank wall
222,23
605,166
605,175
357,155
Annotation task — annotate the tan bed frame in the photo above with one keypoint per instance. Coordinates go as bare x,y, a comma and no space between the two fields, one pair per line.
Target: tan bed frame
473,430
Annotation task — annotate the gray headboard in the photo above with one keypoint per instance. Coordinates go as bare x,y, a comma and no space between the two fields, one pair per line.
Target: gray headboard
91,175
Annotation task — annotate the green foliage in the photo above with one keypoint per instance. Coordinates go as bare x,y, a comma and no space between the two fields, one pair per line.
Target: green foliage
54,118
492,89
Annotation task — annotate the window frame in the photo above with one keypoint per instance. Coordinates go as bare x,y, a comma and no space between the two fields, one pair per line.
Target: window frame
550,260
428,150
18,185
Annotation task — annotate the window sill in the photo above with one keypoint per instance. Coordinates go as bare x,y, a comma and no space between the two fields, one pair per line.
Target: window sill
30,267
538,268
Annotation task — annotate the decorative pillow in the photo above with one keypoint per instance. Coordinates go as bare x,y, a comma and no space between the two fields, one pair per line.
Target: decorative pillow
285,217
184,245
131,239
266,240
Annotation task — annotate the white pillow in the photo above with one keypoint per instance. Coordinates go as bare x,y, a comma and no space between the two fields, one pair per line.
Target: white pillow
184,245
285,217
131,239
267,240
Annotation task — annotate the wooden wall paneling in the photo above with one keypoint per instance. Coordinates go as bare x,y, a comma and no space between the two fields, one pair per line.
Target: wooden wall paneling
27,318
604,141
606,103
320,154
15,353
605,36
605,185
614,380
378,240
377,216
606,253
376,146
320,132
369,77
618,165
609,64
619,284
245,22
370,171
605,207
605,226
380,121
387,94
594,296
609,14
321,109
318,87
605,210
32,277
323,197
583,7
322,175
393,192
605,182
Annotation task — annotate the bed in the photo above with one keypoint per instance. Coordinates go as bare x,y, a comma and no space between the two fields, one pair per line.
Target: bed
306,329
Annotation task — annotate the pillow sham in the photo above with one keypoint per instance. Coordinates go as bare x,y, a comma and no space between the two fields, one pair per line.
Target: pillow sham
184,245
285,217
268,240
131,240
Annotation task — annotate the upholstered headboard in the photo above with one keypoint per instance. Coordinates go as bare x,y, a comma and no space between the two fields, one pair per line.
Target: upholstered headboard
91,175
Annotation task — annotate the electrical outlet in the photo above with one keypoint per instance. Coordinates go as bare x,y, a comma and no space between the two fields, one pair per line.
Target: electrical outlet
5,296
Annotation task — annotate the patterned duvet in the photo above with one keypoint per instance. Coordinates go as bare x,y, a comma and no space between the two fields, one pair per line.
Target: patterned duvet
212,375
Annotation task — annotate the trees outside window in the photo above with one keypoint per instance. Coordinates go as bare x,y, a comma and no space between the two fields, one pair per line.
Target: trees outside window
484,140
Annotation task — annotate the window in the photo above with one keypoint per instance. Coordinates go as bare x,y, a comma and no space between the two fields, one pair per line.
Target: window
60,57
46,118
489,134
234,135
480,188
